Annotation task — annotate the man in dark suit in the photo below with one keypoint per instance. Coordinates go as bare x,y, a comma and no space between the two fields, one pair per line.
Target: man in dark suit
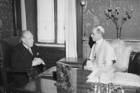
24,58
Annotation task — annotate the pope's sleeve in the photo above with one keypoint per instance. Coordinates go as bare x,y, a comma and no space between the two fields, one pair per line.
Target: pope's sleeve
110,56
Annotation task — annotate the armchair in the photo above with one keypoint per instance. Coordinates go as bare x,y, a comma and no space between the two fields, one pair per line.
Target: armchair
134,63
7,72
122,55
128,60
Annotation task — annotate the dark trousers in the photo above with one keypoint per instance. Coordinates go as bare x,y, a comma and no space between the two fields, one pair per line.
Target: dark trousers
21,79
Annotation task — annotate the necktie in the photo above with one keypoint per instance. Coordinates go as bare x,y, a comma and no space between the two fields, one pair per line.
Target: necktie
30,50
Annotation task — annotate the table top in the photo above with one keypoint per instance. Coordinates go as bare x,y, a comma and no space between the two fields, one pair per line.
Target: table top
70,59
73,62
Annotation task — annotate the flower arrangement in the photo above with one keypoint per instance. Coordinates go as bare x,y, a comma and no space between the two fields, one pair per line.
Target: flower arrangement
118,18
64,78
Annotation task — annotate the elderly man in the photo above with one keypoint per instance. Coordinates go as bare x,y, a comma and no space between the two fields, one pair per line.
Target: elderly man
24,57
102,54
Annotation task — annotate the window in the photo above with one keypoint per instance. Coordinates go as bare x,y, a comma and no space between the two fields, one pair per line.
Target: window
50,18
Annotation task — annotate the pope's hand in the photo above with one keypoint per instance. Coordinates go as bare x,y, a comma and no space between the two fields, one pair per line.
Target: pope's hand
37,61
89,65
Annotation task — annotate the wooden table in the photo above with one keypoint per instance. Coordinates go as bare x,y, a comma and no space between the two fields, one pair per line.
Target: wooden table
46,83
71,78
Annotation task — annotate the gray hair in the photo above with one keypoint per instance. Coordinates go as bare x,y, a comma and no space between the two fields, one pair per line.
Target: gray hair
24,33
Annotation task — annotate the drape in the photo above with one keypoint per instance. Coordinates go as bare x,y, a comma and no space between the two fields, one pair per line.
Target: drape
60,20
70,28
45,21
23,15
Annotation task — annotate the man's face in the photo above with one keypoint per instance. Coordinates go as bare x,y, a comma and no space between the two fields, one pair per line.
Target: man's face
95,35
28,40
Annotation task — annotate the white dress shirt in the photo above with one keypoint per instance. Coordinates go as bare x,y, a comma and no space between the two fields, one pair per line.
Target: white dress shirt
28,48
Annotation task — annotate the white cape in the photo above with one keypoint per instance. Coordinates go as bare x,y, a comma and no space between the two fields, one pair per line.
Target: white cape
118,78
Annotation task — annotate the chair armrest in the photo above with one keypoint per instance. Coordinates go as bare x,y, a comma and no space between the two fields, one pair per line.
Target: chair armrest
17,71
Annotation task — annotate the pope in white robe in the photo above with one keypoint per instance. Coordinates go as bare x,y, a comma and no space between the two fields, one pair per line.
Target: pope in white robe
101,57
103,63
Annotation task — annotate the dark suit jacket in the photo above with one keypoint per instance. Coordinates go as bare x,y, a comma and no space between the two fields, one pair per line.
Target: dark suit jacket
22,58
22,62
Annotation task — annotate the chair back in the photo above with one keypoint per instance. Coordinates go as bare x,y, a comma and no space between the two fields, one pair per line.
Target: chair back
122,54
7,73
6,48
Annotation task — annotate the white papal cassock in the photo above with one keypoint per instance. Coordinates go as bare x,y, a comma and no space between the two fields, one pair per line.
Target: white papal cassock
103,69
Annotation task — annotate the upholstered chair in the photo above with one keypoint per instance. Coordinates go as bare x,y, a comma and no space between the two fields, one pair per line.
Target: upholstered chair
6,70
122,55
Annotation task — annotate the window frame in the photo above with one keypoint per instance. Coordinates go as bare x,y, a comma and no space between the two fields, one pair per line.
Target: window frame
55,43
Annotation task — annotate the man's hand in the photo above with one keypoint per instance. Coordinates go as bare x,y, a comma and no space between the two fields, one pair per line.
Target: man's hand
37,61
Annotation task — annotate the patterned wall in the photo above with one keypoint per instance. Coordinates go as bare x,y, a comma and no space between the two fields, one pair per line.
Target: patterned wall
6,18
94,15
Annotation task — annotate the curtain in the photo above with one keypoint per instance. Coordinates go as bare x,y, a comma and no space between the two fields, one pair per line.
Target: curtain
23,15
60,20
45,19
70,28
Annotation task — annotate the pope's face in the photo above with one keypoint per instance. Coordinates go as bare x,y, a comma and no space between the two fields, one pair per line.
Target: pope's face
95,35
